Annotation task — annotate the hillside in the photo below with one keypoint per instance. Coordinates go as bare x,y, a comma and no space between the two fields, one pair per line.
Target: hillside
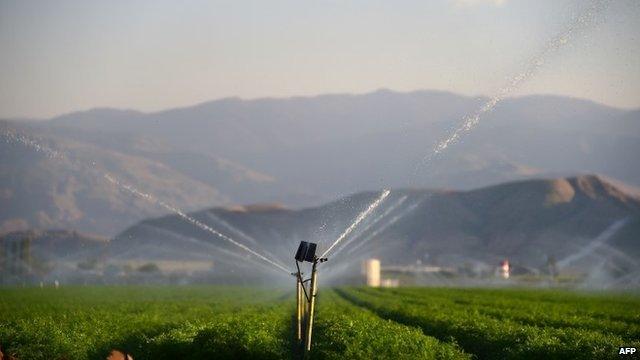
528,222
301,151
40,192
345,143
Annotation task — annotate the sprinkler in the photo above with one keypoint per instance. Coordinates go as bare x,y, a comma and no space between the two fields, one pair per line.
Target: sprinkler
305,307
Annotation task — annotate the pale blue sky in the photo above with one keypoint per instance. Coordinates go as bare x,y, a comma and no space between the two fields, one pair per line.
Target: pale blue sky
66,55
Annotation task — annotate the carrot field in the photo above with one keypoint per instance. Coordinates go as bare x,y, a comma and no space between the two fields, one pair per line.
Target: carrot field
226,322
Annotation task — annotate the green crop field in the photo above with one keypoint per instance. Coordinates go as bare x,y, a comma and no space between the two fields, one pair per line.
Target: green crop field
216,322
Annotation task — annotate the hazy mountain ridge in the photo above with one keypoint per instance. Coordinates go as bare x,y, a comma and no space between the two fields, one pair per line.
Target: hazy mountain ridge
39,192
377,139
528,222
303,151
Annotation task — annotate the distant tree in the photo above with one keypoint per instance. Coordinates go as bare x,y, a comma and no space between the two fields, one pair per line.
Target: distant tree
149,268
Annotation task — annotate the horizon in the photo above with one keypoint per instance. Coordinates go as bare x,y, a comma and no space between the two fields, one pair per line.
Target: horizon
71,55
314,96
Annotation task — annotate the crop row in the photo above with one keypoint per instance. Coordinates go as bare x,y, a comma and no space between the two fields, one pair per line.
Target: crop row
535,313
345,331
255,332
84,323
239,323
597,306
197,323
485,336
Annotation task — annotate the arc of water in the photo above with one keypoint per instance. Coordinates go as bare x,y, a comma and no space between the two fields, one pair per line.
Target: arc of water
165,232
241,234
13,137
375,220
182,237
382,228
610,252
54,154
358,220
619,255
582,22
595,244
630,279
224,258
190,220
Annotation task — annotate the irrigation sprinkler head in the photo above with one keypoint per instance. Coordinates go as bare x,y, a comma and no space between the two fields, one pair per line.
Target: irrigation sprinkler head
306,309
306,252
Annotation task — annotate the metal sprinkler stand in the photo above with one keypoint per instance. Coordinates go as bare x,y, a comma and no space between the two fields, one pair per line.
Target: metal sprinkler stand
304,314
300,303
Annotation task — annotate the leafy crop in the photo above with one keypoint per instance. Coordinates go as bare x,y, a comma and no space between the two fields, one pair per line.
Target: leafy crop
344,331
487,332
216,322
154,323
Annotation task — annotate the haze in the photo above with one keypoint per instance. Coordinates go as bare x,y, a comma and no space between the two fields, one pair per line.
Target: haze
64,56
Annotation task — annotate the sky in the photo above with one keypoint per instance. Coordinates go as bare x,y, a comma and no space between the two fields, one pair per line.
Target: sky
70,55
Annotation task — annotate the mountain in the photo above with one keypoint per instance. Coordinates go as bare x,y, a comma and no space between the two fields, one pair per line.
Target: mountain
579,221
300,151
72,192
346,143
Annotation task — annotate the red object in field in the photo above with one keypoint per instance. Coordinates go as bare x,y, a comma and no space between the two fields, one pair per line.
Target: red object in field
504,265
504,269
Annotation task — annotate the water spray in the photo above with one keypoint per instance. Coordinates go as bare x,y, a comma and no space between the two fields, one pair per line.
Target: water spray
13,137
305,306
363,215
595,244
239,233
580,23
189,219
373,222
218,253
383,227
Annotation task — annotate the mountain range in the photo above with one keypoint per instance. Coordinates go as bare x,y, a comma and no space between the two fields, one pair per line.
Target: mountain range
300,152
586,225
579,222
